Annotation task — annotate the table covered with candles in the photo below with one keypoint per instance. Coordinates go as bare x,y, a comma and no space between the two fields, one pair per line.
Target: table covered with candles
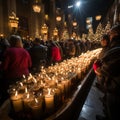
48,94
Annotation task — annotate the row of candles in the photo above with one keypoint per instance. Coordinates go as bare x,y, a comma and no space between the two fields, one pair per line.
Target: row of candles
43,93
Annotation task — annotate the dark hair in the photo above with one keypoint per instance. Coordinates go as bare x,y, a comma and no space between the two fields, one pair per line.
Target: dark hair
106,37
37,40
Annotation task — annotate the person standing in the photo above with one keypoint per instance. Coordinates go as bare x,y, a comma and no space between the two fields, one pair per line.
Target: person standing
97,63
55,53
38,53
110,70
16,63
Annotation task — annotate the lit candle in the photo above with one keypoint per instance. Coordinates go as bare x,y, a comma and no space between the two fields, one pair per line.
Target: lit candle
61,87
24,76
17,102
29,80
66,85
36,88
49,101
36,107
27,98
21,88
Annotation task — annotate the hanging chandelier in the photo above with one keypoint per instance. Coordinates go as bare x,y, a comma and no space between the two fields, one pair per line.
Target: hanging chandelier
44,29
55,32
74,23
98,17
58,18
36,6
13,20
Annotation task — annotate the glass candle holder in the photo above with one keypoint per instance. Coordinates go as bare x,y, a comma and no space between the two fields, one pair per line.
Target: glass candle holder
57,97
27,98
49,101
17,102
36,108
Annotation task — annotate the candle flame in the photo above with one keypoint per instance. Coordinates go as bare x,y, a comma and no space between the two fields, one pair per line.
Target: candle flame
28,96
26,90
56,73
49,91
21,84
62,78
40,94
35,80
41,82
49,78
29,78
42,67
53,90
53,78
13,89
16,93
23,76
56,81
30,75
36,101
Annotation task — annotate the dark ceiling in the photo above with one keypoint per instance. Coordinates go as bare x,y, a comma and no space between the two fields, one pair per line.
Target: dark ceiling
88,8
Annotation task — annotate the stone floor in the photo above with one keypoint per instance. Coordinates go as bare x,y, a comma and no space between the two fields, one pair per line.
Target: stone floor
92,105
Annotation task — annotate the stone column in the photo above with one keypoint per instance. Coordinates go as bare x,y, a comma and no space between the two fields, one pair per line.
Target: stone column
11,6
52,20
1,18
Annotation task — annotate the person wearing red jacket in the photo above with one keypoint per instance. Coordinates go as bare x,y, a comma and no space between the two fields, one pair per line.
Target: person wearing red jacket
16,62
55,53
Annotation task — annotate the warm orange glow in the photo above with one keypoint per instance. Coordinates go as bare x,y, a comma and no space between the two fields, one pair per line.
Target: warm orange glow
58,18
36,8
55,32
74,23
46,17
13,20
98,17
44,29
88,21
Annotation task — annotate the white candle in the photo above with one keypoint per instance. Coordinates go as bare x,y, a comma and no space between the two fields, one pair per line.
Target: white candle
49,101
61,87
66,85
27,98
17,102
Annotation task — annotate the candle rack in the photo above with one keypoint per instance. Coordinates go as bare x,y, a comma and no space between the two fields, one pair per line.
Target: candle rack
59,91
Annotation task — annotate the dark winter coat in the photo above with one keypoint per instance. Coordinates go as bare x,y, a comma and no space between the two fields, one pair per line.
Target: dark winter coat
110,68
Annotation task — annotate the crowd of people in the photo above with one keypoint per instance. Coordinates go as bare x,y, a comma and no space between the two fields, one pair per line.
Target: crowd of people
20,57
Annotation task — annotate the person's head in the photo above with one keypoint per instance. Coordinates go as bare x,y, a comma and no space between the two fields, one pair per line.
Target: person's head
115,31
15,41
105,40
36,41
